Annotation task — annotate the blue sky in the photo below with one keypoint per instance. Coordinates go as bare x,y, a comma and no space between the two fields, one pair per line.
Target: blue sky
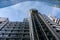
21,10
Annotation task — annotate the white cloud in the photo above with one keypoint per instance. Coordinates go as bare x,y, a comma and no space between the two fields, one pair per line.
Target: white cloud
21,10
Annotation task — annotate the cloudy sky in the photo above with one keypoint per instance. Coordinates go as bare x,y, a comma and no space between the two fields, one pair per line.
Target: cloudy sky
21,10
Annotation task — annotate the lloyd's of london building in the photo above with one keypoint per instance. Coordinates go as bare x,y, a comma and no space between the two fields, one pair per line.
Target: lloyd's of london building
38,27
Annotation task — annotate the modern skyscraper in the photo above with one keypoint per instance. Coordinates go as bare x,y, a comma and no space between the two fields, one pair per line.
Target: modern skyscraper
14,30
42,27
37,27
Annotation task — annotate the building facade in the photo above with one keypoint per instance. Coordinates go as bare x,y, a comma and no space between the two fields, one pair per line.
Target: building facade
42,27
14,30
57,20
37,27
